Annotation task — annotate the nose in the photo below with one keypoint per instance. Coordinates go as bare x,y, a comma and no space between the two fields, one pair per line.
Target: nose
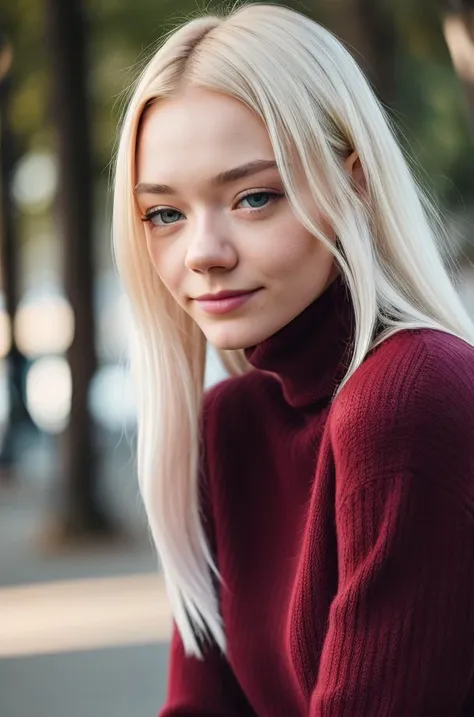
210,247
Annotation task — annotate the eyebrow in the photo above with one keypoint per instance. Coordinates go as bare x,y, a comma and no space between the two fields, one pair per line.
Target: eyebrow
226,177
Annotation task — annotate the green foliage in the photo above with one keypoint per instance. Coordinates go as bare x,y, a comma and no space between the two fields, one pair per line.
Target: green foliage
22,23
429,103
431,107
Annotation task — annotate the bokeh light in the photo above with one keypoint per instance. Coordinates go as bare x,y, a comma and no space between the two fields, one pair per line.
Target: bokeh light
48,393
35,181
111,399
113,321
44,325
5,334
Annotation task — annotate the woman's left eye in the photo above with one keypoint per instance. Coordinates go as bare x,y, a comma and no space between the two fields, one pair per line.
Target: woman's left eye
259,200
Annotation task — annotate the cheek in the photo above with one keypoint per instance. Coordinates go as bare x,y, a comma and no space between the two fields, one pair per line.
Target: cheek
165,263
292,250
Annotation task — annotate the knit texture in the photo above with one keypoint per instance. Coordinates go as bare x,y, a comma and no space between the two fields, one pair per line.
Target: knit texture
344,530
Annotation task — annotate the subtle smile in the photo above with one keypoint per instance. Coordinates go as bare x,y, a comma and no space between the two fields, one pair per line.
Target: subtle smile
224,301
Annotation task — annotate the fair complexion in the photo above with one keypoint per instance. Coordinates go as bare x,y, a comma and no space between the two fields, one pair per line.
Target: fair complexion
217,220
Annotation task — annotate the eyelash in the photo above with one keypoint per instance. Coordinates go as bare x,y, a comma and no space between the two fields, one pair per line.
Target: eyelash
148,216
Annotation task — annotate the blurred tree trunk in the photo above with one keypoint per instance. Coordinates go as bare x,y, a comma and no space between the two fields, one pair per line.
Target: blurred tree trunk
81,512
367,27
18,415
458,27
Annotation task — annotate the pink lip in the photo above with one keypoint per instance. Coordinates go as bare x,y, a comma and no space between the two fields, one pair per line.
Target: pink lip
224,302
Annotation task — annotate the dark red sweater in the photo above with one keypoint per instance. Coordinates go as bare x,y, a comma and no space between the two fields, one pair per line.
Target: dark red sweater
344,532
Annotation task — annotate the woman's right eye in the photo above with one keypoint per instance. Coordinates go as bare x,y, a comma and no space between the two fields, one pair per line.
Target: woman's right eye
162,217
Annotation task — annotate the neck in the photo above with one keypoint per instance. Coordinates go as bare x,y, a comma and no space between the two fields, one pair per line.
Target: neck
311,354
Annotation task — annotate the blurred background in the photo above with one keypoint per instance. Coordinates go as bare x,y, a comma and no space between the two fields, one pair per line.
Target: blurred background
84,623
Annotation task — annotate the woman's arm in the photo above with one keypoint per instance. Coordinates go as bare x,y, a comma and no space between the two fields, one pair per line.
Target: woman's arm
401,627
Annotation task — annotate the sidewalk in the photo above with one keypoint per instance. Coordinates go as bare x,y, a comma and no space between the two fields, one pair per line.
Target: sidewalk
85,633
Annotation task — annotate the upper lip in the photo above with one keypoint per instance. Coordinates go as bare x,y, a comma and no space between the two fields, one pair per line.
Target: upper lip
224,295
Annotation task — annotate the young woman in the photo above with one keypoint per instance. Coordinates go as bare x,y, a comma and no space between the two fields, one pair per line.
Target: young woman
314,513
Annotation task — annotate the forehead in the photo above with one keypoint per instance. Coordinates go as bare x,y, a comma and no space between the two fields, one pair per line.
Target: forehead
198,134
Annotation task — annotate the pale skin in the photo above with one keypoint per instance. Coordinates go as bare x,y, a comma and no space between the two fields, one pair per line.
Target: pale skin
206,235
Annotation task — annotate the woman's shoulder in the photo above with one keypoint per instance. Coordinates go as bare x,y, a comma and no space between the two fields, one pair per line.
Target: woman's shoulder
435,343
413,370
409,408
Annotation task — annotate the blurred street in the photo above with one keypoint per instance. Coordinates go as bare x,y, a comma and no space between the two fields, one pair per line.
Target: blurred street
82,633
119,682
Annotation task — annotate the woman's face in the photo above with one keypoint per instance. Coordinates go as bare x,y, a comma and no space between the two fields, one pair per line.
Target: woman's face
217,220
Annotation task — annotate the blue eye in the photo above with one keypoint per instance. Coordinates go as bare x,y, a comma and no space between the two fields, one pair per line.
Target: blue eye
162,217
258,200
166,216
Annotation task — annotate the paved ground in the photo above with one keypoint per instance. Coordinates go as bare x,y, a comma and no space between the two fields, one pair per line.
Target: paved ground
82,634
118,682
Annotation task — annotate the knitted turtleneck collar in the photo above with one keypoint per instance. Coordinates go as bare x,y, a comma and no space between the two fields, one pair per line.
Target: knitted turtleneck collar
311,354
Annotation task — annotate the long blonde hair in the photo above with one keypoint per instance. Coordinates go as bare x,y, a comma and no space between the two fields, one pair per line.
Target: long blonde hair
315,101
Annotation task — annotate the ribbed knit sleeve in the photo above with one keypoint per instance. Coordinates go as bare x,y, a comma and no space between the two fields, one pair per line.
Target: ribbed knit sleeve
405,532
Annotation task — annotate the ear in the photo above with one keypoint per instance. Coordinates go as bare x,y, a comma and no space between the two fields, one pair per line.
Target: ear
354,169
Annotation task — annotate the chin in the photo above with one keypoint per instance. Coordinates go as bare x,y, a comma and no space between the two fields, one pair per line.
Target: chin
229,344
227,340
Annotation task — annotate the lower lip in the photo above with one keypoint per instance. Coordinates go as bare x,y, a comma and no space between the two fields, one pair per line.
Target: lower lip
224,306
